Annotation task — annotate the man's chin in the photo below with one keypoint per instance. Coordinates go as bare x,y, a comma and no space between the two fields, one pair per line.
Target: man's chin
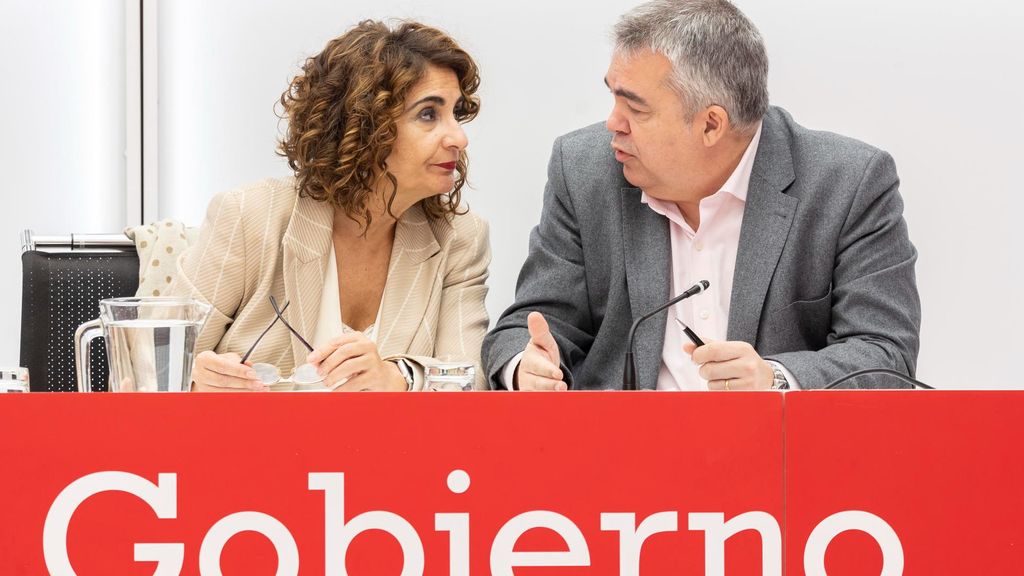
632,176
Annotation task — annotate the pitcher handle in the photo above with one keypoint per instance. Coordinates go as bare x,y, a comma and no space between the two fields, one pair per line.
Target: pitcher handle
84,336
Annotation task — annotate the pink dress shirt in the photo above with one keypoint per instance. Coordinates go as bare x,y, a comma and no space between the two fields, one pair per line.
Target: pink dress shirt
708,253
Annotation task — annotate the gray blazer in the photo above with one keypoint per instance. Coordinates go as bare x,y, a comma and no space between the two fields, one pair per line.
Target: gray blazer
824,280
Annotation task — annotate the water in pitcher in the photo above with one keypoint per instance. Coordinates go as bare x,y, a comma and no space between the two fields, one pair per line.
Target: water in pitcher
151,355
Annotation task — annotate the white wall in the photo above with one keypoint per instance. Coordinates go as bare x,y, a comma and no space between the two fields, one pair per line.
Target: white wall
933,82
62,97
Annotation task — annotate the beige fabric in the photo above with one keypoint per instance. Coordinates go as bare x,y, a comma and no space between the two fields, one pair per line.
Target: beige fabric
159,245
263,239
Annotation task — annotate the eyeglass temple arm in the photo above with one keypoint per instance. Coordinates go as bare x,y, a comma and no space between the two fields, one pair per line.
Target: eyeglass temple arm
273,302
253,347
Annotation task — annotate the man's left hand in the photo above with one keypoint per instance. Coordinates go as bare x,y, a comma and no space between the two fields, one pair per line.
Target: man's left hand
731,366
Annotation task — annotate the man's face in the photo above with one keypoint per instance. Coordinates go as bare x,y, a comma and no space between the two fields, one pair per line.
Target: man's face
658,148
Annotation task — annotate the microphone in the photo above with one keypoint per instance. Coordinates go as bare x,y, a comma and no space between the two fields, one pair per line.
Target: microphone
915,383
629,370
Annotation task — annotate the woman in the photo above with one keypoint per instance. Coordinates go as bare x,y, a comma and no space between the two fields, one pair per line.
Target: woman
366,248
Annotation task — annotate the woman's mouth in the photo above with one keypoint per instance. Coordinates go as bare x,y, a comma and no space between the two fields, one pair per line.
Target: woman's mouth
449,166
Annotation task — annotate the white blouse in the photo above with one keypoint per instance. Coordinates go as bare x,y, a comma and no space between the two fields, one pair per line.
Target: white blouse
329,324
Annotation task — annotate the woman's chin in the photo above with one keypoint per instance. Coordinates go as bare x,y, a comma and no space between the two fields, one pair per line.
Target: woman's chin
443,187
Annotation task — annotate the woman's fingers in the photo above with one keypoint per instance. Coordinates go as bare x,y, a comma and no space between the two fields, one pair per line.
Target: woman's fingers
345,352
224,372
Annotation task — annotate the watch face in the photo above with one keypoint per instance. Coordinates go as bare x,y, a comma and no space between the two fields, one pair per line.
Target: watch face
779,381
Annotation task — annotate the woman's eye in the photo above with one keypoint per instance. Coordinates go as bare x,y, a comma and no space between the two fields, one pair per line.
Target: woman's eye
428,114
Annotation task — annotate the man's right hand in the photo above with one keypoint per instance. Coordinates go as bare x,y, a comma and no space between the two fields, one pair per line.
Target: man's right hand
214,372
539,367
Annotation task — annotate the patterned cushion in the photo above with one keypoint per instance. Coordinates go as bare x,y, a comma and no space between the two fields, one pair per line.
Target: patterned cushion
159,244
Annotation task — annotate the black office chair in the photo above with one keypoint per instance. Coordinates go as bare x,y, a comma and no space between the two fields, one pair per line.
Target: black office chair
63,280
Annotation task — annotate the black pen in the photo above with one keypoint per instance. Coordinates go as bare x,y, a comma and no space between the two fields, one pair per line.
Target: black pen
690,334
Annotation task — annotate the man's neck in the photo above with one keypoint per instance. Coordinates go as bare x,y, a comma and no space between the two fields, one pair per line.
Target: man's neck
720,167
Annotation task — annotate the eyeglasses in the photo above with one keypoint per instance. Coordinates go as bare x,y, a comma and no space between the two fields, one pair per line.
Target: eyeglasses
268,373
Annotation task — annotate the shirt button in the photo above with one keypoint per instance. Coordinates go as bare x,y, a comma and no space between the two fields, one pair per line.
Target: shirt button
704,314
699,246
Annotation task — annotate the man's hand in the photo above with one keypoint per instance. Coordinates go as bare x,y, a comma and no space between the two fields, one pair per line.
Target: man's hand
539,367
731,366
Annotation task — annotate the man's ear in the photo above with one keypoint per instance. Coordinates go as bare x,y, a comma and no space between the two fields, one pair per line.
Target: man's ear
716,124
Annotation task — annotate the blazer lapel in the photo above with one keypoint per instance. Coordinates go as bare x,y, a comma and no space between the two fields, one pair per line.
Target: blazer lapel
306,246
767,218
412,276
648,253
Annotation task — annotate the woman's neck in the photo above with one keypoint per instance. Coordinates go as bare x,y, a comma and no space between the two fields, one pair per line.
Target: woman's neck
381,229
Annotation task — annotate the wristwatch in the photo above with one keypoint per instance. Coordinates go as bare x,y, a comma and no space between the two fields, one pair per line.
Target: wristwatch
779,381
406,371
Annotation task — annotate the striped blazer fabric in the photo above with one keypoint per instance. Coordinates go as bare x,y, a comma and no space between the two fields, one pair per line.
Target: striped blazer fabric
264,240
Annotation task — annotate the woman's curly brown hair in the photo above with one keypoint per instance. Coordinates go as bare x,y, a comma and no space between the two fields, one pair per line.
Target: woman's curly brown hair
341,112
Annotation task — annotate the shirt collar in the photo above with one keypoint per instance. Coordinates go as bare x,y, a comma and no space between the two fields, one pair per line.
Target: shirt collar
739,180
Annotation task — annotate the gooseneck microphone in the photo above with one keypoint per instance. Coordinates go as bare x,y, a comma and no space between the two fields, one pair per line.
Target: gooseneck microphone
629,370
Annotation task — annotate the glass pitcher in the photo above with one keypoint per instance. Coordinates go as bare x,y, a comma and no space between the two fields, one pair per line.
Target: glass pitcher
150,343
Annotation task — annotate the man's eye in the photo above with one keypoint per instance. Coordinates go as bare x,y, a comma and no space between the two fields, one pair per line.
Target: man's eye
428,114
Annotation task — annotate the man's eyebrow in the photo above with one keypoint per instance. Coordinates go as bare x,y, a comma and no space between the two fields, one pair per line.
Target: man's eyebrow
435,99
627,94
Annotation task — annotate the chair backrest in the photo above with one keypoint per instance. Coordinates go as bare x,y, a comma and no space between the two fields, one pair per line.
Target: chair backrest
60,291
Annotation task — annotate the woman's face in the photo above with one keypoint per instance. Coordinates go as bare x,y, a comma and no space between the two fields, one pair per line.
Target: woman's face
429,139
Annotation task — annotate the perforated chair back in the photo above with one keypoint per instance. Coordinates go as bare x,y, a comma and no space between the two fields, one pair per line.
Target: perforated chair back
60,291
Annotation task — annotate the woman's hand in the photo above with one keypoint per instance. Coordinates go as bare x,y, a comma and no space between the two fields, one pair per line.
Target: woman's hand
214,372
353,360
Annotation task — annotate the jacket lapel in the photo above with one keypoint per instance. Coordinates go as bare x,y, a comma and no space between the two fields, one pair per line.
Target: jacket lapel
767,218
648,254
412,275
306,246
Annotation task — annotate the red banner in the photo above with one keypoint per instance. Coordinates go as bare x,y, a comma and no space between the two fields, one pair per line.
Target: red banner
389,484
905,482
837,483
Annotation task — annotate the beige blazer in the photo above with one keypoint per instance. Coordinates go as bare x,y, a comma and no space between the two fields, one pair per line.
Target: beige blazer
264,239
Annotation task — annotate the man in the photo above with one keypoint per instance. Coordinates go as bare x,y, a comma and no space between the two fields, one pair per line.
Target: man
695,177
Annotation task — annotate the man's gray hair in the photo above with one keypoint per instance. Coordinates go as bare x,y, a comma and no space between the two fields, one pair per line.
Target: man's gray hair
718,56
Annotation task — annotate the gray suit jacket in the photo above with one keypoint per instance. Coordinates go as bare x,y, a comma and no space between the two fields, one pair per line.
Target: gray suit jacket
824,279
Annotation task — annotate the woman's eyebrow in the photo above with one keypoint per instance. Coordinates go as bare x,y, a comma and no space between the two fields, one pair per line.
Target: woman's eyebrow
435,99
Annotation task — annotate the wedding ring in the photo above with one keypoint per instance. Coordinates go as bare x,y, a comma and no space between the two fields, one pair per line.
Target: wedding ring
727,385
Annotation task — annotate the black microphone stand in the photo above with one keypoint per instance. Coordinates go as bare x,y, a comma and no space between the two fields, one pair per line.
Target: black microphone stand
629,370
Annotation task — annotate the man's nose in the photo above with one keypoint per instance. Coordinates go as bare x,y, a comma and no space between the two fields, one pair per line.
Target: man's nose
615,122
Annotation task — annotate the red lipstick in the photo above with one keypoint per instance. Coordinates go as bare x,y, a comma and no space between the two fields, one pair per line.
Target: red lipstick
446,166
